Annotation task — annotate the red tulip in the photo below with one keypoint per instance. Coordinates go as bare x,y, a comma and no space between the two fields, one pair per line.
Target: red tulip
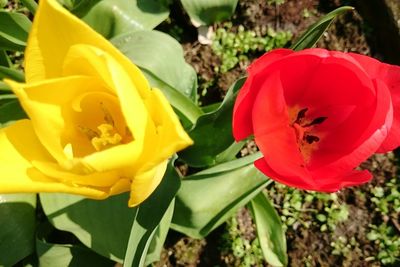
317,114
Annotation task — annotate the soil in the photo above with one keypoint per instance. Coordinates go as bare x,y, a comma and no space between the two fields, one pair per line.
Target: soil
312,241
306,246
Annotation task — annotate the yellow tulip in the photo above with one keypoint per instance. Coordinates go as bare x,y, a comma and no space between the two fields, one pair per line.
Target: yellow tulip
96,128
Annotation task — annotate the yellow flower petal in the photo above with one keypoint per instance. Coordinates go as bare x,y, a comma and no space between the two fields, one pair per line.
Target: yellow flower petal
170,136
175,137
54,32
88,60
96,128
96,179
46,102
19,147
145,184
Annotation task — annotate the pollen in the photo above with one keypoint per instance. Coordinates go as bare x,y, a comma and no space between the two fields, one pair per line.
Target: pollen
107,137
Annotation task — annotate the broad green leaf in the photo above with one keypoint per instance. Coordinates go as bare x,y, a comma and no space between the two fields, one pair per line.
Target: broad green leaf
206,12
114,17
269,230
206,199
161,58
14,29
212,133
148,218
17,227
68,255
103,226
10,109
12,74
160,236
315,31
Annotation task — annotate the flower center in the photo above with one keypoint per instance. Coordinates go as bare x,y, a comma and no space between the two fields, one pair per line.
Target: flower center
107,134
108,137
305,134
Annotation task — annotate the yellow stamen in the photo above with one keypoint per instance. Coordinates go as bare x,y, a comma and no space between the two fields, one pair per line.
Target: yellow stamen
108,137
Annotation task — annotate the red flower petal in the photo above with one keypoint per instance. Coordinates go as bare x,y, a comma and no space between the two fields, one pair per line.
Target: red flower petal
319,184
311,84
390,75
272,131
317,114
372,138
294,181
351,97
242,125
317,77
349,179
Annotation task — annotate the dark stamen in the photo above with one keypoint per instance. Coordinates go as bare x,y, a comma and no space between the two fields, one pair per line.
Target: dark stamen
88,132
318,120
301,115
311,139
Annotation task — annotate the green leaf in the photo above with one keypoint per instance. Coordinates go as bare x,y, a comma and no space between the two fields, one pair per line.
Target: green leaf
31,5
211,107
4,87
231,152
162,56
184,107
212,133
79,7
10,109
315,31
206,199
68,255
160,236
102,225
150,213
113,17
206,12
269,230
14,29
161,59
12,74
17,227
7,97
4,59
